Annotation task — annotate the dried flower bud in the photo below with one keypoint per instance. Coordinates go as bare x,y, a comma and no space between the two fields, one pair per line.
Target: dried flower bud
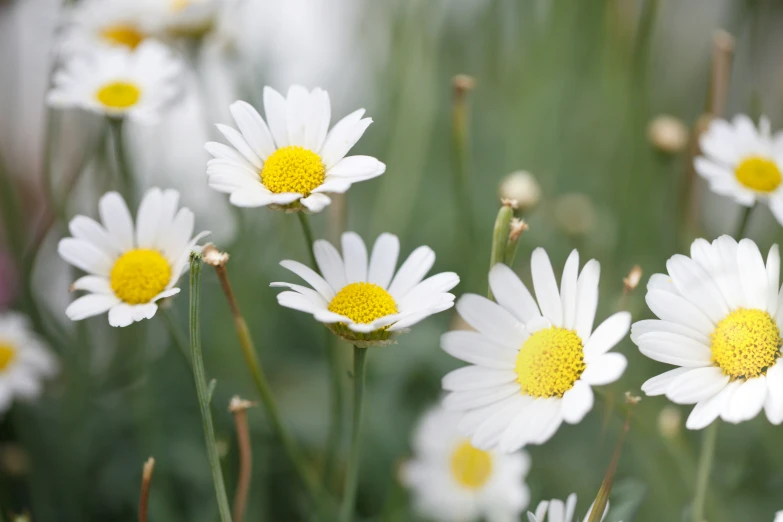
212,256
575,213
668,134
463,83
146,473
632,280
517,227
505,202
522,187
670,421
632,400
239,404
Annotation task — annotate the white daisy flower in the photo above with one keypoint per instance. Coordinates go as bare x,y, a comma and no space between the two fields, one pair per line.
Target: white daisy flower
558,511
451,481
365,302
778,516
129,270
118,82
719,322
294,161
743,162
532,364
24,360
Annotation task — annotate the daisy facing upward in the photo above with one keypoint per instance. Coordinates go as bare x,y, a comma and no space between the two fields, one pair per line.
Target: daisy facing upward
533,361
129,268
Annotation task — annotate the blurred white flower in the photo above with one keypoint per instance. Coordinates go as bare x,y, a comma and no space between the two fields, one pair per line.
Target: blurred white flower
778,516
293,162
532,364
24,360
129,270
451,481
365,302
667,133
718,322
559,511
743,162
118,82
522,187
575,213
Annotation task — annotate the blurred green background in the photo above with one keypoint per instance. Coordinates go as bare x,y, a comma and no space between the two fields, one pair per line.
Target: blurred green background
564,90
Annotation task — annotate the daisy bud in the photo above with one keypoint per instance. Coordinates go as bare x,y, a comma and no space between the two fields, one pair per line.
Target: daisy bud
239,404
522,187
575,213
669,422
632,280
667,134
462,84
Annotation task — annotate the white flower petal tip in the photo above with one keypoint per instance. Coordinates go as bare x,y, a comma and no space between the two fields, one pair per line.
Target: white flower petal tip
359,297
289,160
130,267
533,360
556,510
451,479
719,324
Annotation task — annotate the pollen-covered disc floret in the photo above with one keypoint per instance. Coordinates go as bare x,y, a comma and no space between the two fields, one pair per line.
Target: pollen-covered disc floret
129,268
119,82
363,301
533,360
719,315
290,160
449,479
550,362
25,361
742,161
745,343
293,169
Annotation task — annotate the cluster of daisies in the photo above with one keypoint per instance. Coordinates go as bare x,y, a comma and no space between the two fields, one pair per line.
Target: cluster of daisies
533,356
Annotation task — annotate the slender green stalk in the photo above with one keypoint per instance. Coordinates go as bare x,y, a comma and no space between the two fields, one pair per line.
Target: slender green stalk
742,225
352,476
459,136
336,408
308,235
708,444
500,237
123,164
202,389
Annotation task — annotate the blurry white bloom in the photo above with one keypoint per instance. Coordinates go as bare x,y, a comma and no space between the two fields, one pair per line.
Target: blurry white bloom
365,302
129,270
719,323
522,187
743,162
294,161
668,134
575,213
669,421
24,360
118,82
533,364
559,511
451,481
778,516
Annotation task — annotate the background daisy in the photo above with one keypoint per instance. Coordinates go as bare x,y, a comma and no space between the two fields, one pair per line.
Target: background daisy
119,82
290,158
129,268
743,162
24,360
719,322
363,301
533,360
451,481
558,511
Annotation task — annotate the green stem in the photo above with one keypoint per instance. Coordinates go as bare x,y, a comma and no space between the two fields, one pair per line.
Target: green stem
336,408
703,471
308,235
352,476
123,165
744,221
500,237
459,136
202,388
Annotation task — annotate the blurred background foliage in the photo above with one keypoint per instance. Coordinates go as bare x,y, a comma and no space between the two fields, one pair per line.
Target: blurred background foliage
564,90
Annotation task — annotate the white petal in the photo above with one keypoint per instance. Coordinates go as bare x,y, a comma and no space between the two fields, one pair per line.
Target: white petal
640,328
330,264
475,348
753,275
297,301
84,255
412,271
587,299
357,168
383,260
93,284
607,335
275,109
706,411
297,106
466,400
343,136
747,401
511,293
674,349
488,432
90,305
675,309
604,369
475,378
121,315
659,384
117,219
492,320
316,202
148,219
313,279
568,289
577,402
318,117
253,128
238,142
251,198
355,257
545,286
773,279
696,285
89,230
696,385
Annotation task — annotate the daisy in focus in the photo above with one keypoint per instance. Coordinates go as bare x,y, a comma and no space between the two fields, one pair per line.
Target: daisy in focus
363,301
24,360
292,160
558,511
118,82
129,269
743,162
532,363
451,481
719,323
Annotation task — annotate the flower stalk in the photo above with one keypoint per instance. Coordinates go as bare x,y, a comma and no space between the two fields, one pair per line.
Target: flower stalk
500,235
308,235
238,409
123,164
352,476
202,390
146,481
462,85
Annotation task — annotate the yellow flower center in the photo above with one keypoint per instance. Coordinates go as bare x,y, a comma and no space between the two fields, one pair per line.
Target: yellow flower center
470,466
179,5
363,302
759,174
745,343
122,34
139,275
118,95
550,362
7,354
293,169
